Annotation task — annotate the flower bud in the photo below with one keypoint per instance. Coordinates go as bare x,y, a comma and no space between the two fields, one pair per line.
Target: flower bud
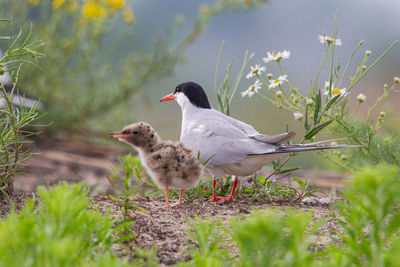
298,116
269,76
363,67
367,53
2,71
396,80
382,114
361,98
309,101
278,93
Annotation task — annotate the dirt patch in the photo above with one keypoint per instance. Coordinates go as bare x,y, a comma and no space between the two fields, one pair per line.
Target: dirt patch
166,228
16,201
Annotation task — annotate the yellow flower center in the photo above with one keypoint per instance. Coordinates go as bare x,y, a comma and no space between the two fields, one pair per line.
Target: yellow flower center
255,71
275,56
336,91
277,81
329,40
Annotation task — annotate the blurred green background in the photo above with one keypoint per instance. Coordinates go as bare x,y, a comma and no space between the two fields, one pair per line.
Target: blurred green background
115,71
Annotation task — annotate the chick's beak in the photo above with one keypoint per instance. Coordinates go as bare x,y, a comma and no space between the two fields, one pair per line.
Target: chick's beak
118,135
168,98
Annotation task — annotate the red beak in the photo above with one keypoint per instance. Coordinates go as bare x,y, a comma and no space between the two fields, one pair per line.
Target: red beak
168,98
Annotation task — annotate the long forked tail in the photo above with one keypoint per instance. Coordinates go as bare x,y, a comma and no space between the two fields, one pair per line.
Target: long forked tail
308,147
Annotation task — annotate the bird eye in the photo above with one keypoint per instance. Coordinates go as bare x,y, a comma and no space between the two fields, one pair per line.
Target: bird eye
177,89
135,132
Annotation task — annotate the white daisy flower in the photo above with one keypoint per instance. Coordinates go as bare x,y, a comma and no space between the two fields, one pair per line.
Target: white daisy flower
257,69
278,56
298,116
334,91
328,40
252,89
276,82
361,98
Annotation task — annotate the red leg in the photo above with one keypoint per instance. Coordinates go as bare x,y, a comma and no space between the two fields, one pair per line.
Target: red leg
214,198
235,184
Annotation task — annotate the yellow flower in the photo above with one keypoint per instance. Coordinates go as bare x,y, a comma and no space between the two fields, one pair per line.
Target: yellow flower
33,2
129,17
58,3
93,10
116,4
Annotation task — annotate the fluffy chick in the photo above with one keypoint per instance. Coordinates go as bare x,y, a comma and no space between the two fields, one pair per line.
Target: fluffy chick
171,165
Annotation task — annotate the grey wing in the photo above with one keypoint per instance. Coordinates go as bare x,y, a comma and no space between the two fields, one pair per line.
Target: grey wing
223,141
251,132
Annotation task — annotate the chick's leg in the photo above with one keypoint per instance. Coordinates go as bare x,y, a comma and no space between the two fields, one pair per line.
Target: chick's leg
167,198
180,198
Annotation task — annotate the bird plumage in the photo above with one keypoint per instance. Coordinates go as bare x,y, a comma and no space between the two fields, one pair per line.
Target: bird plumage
171,164
232,146
233,142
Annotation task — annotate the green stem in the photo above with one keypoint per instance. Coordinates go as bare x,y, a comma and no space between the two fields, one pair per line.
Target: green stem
266,98
288,83
355,110
373,64
379,100
262,80
319,69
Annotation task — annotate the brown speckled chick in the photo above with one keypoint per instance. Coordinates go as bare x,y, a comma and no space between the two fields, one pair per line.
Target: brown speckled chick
171,165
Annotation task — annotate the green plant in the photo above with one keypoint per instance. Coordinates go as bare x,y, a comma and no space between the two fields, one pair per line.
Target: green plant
209,249
276,192
14,121
224,92
370,219
125,195
331,114
58,229
367,235
263,239
268,239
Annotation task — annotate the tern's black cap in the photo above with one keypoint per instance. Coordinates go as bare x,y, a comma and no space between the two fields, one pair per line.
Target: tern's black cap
195,93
